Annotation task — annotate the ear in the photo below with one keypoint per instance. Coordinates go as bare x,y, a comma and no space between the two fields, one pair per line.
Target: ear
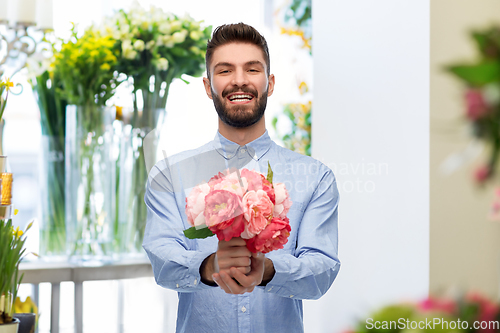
208,88
270,88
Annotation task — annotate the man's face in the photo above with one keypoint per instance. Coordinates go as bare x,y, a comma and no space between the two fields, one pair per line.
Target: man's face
239,84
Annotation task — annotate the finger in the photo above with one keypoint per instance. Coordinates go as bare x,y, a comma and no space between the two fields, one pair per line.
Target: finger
220,282
244,270
247,281
227,263
231,284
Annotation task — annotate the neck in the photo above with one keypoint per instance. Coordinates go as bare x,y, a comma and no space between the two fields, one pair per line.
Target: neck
242,136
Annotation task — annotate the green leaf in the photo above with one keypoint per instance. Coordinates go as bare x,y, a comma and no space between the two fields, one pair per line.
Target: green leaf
193,233
477,75
269,173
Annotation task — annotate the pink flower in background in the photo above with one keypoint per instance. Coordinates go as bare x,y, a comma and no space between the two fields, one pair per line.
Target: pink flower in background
258,209
436,304
195,205
488,310
273,237
283,202
476,105
482,173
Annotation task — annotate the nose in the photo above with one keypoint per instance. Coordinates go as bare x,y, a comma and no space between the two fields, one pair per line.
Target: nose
240,78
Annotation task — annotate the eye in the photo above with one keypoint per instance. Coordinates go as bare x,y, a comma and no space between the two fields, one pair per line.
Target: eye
254,70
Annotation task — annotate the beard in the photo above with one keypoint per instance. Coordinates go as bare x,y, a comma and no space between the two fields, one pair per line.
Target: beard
238,115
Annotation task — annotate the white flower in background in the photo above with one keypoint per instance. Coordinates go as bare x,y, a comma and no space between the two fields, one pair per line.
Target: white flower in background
176,25
179,37
195,50
195,25
139,45
162,64
150,44
165,28
195,34
168,41
127,50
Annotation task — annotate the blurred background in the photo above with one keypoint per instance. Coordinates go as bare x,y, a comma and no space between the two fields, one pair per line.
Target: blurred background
406,102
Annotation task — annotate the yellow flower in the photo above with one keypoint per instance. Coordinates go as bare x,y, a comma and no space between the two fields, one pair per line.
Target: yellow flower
16,211
28,306
105,67
17,233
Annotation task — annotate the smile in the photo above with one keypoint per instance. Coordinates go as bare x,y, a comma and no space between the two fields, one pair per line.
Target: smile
240,98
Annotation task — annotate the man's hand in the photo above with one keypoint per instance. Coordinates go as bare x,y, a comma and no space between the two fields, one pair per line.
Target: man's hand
233,253
247,282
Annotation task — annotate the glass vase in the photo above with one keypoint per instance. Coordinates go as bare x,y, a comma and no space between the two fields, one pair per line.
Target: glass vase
90,183
53,244
138,145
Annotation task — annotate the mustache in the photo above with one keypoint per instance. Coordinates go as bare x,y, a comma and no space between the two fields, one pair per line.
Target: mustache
235,90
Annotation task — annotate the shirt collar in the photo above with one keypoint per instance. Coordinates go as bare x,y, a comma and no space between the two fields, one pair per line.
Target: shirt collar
229,149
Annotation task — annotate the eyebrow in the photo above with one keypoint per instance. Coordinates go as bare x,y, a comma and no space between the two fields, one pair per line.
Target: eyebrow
250,63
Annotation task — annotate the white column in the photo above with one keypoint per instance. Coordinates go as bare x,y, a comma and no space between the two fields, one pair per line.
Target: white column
371,126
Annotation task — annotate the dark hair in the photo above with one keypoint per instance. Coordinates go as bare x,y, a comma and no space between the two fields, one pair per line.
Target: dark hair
239,32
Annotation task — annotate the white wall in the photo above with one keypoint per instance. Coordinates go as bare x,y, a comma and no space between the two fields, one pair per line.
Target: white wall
371,126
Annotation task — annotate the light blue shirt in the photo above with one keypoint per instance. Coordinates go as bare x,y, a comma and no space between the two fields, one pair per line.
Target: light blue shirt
305,268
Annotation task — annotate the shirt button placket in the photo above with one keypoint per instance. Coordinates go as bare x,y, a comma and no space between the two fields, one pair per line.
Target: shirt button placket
244,313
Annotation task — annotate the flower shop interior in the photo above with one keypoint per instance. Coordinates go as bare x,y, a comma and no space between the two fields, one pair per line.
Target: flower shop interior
405,95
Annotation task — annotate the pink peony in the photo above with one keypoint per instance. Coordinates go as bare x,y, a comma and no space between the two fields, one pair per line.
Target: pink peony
230,182
258,210
229,229
476,105
223,210
283,202
273,237
254,179
195,205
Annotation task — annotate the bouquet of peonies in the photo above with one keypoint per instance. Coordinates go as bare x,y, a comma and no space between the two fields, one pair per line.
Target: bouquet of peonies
240,204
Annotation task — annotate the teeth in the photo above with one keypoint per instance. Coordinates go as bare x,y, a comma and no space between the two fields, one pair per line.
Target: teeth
238,97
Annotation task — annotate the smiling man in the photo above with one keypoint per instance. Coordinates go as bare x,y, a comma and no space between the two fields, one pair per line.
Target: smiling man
223,286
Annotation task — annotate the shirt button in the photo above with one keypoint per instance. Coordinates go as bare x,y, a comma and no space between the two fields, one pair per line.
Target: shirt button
270,288
243,309
195,281
177,285
243,150
229,155
291,296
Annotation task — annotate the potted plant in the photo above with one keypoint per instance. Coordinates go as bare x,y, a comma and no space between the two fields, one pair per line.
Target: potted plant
11,252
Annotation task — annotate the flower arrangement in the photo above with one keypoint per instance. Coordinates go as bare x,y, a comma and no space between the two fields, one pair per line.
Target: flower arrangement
86,66
481,79
11,253
47,90
299,115
153,48
469,313
246,205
